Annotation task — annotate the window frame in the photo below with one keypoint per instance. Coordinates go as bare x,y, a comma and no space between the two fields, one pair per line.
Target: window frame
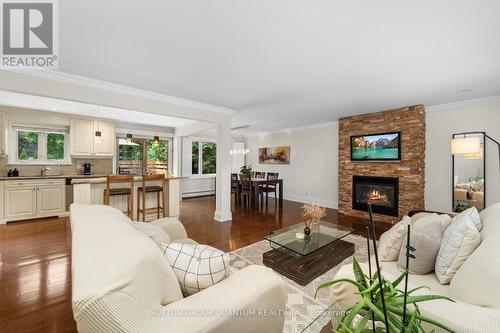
144,141
42,145
200,173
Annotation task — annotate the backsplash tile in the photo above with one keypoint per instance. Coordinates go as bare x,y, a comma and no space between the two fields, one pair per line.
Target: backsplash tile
99,167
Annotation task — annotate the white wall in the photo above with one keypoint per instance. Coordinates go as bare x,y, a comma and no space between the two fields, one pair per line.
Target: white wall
441,124
312,174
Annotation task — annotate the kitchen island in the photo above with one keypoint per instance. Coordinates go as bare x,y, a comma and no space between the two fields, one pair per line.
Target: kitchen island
90,190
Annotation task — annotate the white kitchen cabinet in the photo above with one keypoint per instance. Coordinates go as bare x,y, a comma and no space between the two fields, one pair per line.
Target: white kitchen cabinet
3,134
20,201
50,199
83,141
106,146
81,132
25,199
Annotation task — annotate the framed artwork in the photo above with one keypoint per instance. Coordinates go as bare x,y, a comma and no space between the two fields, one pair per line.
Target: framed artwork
274,155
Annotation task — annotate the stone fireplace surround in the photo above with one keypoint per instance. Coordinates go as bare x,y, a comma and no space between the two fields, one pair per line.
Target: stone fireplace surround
410,171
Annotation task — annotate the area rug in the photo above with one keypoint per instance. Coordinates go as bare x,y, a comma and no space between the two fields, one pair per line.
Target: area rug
302,308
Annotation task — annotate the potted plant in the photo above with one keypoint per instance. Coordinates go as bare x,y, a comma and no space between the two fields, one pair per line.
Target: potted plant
246,170
368,315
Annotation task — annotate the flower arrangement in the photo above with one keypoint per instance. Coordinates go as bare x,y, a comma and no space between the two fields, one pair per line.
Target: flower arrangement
311,214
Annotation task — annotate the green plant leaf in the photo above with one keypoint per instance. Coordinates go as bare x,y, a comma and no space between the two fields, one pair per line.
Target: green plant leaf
328,284
416,299
352,313
419,317
363,322
358,273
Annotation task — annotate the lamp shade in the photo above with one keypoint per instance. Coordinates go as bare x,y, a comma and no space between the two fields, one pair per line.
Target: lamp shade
470,145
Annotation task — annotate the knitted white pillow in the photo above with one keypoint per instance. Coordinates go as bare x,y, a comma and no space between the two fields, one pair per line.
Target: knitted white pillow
391,240
460,239
156,233
196,266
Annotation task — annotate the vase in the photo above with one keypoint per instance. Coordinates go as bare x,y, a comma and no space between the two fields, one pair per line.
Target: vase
315,227
307,231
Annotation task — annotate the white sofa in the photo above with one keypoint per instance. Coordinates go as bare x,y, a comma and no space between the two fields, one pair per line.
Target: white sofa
121,282
475,287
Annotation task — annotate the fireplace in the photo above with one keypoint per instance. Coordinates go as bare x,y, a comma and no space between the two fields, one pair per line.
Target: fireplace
382,192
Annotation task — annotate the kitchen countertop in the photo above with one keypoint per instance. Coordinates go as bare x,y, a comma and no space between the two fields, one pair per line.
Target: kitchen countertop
102,180
53,177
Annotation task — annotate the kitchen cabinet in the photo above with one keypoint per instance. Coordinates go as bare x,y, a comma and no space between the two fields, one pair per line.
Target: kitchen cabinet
106,146
83,140
26,199
3,134
20,201
50,199
81,136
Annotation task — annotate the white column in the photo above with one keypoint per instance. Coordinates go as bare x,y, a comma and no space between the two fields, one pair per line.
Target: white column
223,180
176,158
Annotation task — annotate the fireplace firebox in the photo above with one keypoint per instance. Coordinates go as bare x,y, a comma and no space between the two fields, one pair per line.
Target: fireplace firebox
382,192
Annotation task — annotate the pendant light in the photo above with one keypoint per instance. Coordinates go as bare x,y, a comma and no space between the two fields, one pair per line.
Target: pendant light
129,135
98,134
156,138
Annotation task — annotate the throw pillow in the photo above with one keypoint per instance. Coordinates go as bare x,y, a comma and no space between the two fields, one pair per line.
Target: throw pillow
460,239
156,233
196,266
477,281
443,220
471,214
426,241
391,240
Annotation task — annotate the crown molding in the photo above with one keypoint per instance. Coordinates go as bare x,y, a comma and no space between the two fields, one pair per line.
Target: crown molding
294,129
461,104
117,88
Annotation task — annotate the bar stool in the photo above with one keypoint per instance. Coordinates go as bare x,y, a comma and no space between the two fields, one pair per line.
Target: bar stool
143,190
128,191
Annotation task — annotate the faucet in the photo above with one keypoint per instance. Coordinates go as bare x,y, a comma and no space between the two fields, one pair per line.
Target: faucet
43,171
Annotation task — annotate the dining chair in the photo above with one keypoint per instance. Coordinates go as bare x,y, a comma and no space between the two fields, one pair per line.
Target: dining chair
235,187
260,175
246,188
271,188
128,191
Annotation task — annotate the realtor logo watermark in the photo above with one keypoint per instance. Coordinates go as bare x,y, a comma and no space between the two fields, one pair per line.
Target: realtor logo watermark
30,34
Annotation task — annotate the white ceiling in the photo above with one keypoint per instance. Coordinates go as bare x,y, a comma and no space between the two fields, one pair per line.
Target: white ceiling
288,63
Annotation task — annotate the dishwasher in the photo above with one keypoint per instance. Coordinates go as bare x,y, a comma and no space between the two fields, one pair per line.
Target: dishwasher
69,193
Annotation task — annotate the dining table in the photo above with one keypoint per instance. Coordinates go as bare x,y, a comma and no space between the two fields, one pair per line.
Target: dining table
257,182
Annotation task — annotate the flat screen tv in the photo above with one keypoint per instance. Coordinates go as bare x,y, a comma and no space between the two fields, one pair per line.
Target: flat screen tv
376,147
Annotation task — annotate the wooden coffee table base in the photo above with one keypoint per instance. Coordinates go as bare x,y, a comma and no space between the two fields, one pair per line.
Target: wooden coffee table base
304,269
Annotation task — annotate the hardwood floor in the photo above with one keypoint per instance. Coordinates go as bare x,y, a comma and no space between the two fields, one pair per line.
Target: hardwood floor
35,258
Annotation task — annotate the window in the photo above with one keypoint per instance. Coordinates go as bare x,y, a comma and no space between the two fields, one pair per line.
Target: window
142,157
27,146
39,146
204,156
195,161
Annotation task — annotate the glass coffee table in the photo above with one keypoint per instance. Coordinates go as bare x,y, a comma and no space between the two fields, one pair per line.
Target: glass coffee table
303,260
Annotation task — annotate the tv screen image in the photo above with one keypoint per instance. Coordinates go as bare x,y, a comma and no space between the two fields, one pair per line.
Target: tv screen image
376,147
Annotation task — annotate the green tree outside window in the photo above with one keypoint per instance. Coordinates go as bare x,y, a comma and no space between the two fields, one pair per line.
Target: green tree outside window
27,145
195,158
209,157
55,146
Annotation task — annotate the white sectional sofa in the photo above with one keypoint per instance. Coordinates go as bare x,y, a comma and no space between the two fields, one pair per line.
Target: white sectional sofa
475,287
122,283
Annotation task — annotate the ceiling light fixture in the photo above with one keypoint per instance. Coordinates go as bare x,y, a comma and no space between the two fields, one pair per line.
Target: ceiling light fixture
98,134
129,137
239,151
156,138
